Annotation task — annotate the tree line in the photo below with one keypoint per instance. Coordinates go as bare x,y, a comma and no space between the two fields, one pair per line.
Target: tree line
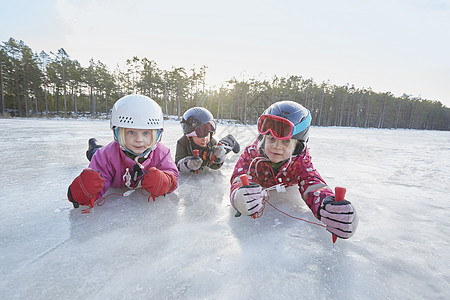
53,84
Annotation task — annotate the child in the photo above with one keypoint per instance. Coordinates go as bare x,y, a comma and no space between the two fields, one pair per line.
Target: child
135,158
280,155
198,128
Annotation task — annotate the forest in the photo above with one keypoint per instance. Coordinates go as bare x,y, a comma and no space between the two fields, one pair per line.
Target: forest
55,85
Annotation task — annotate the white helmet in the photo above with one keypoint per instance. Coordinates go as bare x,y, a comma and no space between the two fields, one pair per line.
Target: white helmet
136,111
139,112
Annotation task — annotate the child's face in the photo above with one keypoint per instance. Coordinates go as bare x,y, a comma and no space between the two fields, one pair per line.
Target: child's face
202,142
277,150
138,140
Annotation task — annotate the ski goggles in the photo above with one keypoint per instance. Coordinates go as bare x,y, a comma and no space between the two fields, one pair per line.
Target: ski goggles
203,130
281,128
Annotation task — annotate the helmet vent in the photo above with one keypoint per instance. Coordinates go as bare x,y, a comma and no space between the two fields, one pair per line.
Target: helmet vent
128,120
153,122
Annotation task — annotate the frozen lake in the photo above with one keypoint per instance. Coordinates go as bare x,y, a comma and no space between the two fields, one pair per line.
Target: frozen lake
189,245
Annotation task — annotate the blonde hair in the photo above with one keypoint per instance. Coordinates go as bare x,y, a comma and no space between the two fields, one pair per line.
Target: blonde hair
291,147
121,137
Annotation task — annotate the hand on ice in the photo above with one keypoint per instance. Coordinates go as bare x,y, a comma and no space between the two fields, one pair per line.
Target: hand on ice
158,183
339,217
248,199
190,163
194,162
219,154
86,188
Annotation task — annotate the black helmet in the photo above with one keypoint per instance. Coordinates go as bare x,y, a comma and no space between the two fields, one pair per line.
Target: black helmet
196,116
298,115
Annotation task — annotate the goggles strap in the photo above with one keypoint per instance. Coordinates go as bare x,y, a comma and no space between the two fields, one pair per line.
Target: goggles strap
302,125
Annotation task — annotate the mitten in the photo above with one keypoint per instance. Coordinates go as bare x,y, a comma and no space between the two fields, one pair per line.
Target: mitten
86,188
339,217
158,183
190,163
218,154
230,144
248,199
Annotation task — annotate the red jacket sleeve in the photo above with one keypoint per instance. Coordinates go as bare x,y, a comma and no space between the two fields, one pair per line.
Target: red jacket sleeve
312,186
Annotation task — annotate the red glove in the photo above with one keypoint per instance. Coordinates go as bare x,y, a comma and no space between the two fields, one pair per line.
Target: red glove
158,183
86,188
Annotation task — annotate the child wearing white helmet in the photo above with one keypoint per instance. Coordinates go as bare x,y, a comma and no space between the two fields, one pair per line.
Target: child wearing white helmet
136,158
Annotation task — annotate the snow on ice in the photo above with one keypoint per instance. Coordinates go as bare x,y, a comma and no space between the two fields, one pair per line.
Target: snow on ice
189,245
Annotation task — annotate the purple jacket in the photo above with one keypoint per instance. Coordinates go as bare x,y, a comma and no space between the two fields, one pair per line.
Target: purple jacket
299,171
112,163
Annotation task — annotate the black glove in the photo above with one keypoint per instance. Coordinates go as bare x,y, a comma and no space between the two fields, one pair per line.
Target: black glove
230,144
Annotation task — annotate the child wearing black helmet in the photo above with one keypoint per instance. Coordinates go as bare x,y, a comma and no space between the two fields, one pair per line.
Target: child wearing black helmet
197,148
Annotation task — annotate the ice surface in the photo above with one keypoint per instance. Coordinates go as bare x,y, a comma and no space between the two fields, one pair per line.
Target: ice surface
189,245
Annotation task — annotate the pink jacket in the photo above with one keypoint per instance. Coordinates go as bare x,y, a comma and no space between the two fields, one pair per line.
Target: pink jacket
112,163
299,171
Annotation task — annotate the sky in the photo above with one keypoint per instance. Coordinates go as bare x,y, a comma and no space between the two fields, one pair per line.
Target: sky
397,46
